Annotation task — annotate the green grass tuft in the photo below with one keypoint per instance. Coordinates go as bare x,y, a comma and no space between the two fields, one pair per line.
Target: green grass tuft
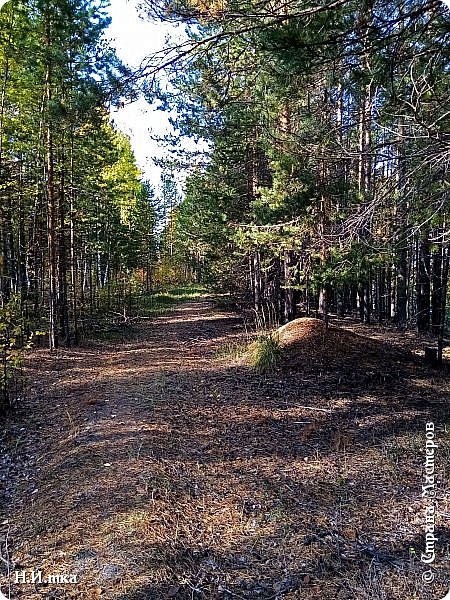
265,352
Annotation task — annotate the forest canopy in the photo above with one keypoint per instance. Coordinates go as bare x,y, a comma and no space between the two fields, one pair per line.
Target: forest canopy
327,182
76,218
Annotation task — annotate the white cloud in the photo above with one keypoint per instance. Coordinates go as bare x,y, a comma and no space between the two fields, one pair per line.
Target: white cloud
134,39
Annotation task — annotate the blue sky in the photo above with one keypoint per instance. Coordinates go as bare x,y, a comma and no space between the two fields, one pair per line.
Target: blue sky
135,38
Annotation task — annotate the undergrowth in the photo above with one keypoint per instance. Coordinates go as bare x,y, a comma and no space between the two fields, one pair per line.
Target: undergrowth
15,341
150,305
118,326
232,350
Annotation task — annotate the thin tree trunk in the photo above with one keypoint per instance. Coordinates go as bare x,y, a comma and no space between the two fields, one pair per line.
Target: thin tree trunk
73,257
402,251
51,201
423,283
63,302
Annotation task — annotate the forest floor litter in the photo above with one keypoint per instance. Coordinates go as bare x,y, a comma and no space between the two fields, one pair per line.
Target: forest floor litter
162,467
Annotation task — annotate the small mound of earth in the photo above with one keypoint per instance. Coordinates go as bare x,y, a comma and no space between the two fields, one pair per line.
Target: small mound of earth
307,345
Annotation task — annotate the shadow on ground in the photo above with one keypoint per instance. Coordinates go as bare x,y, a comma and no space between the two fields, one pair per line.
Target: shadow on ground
159,470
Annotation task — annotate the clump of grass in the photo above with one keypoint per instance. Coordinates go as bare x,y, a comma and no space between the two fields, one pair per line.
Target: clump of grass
232,350
265,352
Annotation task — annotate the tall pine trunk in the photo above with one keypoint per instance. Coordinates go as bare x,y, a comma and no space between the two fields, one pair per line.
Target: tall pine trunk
51,199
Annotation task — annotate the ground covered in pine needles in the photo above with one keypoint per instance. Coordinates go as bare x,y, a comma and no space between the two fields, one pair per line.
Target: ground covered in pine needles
165,467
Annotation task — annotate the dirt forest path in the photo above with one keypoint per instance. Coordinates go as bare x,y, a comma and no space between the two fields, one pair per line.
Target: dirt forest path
116,431
158,468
